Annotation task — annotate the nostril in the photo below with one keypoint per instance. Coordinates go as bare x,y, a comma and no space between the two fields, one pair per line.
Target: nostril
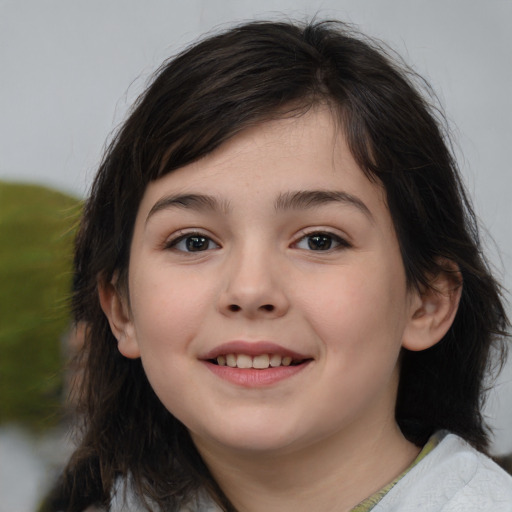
265,307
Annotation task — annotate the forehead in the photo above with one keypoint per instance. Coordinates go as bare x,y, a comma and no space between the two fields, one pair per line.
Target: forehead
271,159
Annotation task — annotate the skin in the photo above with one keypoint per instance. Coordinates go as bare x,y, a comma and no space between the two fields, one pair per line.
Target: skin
325,437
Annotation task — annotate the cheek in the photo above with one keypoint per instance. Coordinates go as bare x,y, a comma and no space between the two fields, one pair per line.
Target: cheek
359,320
167,312
167,303
360,312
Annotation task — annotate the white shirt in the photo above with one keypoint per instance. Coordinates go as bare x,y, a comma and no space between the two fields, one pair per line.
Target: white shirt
453,477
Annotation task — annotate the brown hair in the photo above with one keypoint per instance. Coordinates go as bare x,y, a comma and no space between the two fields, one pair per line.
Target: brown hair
197,101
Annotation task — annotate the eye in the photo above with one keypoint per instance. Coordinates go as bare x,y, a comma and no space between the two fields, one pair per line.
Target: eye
320,241
192,242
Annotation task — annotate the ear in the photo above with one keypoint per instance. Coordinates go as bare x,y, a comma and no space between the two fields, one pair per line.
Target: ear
114,305
433,309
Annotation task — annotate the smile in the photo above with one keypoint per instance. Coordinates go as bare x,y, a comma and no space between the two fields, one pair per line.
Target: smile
258,362
255,364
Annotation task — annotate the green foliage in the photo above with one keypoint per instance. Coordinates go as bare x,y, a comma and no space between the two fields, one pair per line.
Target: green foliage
36,237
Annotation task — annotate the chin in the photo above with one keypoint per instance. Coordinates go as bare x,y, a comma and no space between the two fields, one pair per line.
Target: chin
249,437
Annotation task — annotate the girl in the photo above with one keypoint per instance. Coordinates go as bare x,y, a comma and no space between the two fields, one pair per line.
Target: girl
285,299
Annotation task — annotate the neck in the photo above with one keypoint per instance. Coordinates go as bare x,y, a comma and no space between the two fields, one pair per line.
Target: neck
333,474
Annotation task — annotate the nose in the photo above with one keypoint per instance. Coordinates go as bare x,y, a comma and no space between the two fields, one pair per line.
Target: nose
253,286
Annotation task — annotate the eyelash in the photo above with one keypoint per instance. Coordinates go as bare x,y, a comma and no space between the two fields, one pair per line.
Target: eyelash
174,242
340,243
322,237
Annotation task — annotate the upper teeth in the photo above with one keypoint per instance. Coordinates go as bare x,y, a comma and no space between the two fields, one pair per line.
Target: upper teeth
260,362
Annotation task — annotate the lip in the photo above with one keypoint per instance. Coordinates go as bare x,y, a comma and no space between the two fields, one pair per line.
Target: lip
250,377
252,348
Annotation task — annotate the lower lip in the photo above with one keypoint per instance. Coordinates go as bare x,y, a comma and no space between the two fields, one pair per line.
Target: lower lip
252,378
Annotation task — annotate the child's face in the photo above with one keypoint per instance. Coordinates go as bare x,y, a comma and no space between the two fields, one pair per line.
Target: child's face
274,246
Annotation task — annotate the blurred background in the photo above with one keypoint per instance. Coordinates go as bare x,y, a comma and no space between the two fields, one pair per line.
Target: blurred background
69,70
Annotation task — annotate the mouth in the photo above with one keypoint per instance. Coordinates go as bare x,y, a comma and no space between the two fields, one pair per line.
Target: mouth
257,362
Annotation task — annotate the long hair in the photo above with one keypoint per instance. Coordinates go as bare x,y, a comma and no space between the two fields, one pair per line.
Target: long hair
197,101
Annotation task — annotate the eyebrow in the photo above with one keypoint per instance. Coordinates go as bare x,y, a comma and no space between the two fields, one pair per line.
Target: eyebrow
299,200
312,198
199,202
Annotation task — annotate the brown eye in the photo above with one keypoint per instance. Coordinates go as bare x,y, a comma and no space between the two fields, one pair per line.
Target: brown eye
193,243
197,243
320,241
